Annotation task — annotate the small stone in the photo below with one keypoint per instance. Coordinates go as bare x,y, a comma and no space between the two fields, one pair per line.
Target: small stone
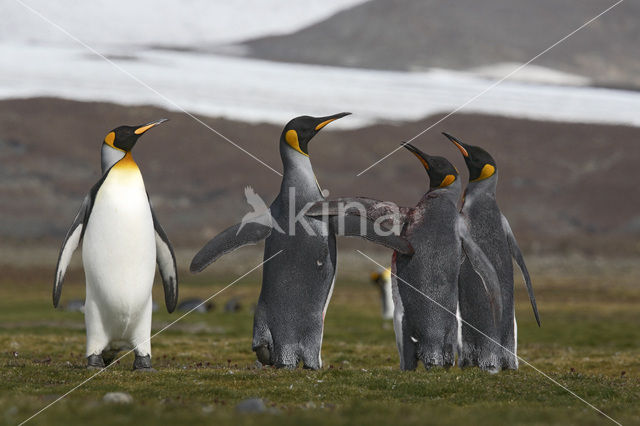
253,405
117,398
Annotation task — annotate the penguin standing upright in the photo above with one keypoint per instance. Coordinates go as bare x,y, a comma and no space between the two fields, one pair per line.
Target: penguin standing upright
382,280
428,331
298,277
491,230
122,241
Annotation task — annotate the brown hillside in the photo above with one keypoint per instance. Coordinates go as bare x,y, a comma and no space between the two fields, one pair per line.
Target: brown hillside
563,186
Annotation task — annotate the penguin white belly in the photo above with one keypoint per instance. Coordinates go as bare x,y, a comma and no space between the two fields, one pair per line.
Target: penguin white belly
119,254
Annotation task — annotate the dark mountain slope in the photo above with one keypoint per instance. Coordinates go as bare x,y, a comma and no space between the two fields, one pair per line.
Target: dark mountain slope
462,34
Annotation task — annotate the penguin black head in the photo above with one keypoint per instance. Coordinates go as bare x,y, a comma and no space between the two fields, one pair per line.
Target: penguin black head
125,137
441,172
481,165
378,278
299,131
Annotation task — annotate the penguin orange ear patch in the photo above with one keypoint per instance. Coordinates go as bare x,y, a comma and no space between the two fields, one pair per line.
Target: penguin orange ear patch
110,138
448,180
291,137
487,171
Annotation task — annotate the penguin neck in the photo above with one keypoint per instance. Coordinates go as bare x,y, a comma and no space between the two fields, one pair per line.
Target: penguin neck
298,173
110,156
483,187
450,192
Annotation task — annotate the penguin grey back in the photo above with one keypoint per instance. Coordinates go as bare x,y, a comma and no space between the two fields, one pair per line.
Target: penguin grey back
490,229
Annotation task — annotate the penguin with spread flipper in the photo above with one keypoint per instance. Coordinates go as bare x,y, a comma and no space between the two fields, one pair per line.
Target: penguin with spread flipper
300,255
425,283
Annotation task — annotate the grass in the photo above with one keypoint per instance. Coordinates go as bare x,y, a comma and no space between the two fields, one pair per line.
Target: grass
590,342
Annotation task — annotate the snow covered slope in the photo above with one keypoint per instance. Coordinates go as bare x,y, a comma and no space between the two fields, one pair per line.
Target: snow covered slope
38,59
254,90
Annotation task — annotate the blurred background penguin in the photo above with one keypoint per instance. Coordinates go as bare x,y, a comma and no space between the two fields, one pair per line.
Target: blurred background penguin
382,280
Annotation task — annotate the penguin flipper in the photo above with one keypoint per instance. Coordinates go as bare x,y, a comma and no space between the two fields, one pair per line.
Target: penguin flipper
239,235
517,255
483,268
361,206
166,260
70,244
357,226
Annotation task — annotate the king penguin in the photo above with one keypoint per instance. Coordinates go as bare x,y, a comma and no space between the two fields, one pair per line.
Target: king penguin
427,330
382,280
121,243
299,272
490,228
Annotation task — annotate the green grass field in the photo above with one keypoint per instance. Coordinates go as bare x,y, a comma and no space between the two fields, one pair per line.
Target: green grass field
589,341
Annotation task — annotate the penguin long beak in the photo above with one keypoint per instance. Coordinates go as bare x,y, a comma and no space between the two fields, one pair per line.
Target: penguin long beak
140,130
458,144
419,154
323,121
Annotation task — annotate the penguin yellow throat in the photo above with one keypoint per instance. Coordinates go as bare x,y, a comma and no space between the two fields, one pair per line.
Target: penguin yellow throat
487,171
126,163
291,137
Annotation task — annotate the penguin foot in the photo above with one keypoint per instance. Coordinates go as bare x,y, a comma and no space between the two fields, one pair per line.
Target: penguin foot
143,364
489,362
263,354
95,362
509,364
491,369
432,359
507,358
287,366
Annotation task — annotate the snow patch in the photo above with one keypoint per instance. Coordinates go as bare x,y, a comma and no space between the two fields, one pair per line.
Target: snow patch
529,74
261,91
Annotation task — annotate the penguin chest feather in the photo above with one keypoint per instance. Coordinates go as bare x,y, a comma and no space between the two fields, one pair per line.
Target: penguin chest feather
119,249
